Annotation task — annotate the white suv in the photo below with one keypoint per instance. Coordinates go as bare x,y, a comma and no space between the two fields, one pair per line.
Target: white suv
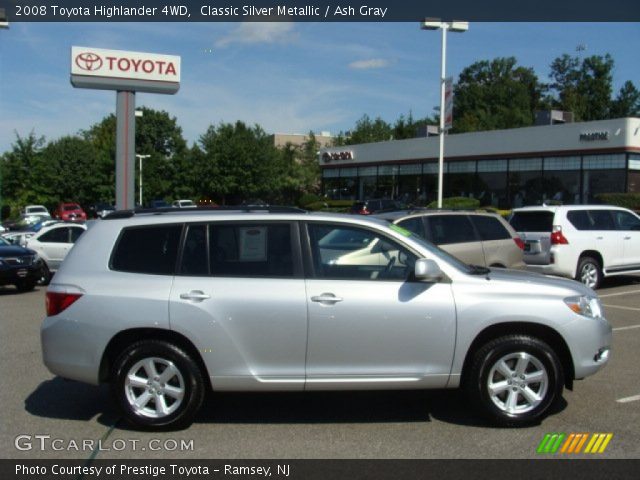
585,242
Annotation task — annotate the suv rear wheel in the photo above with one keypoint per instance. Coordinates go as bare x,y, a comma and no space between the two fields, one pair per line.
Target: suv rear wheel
589,272
157,384
515,379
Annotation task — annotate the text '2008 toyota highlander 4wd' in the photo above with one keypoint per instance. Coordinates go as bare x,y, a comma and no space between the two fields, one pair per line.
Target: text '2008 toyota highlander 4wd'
166,306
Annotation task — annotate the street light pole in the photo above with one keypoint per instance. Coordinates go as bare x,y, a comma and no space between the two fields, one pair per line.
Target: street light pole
140,157
455,26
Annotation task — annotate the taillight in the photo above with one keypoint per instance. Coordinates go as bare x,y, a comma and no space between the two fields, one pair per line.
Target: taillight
519,243
557,238
57,302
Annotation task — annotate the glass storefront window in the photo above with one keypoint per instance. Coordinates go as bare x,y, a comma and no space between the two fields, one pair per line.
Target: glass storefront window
525,188
601,181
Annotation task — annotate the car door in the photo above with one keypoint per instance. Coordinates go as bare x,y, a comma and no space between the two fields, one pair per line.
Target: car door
368,324
53,246
455,234
629,225
240,295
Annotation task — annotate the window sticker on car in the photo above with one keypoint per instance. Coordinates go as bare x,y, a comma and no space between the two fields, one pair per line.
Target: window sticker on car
400,230
253,244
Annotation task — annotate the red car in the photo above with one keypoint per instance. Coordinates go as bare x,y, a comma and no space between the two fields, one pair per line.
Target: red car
69,212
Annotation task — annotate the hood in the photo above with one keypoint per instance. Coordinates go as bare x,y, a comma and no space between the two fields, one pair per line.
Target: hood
524,277
14,251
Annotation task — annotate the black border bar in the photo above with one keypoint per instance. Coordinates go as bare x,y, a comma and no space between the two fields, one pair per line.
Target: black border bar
320,10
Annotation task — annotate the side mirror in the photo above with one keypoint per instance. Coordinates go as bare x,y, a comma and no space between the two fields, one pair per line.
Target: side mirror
427,271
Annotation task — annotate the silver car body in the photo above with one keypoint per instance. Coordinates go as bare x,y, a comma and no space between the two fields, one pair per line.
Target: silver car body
304,333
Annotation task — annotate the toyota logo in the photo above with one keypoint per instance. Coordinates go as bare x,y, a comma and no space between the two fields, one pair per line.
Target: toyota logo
89,61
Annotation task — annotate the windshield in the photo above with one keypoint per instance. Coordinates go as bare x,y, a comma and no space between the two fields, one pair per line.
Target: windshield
71,207
4,243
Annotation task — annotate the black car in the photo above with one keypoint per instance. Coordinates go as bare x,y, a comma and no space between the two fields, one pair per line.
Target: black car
19,266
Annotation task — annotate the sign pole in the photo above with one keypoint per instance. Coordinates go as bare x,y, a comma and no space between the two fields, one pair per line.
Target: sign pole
125,149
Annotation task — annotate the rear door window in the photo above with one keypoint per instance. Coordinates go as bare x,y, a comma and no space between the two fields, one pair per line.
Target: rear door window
251,250
541,221
449,229
601,220
490,228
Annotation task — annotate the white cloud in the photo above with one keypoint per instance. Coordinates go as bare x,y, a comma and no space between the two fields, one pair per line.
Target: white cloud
368,64
259,32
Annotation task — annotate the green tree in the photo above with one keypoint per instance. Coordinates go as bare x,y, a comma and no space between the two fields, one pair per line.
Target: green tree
496,94
241,163
627,103
368,131
158,135
583,86
18,181
408,127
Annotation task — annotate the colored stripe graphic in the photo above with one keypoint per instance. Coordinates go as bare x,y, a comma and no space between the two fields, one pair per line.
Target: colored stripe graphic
550,443
574,443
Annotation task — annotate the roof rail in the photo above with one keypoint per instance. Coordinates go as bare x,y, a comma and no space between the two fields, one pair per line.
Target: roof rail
120,214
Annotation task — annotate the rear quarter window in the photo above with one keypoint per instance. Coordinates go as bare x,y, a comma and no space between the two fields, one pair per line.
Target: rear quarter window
532,221
150,249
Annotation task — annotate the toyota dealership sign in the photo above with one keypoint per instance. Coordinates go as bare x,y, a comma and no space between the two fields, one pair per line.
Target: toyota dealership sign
122,70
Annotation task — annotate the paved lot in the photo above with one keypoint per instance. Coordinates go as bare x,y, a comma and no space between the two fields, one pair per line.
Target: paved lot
318,425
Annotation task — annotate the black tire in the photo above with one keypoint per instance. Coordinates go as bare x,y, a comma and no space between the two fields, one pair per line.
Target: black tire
26,285
45,276
496,407
189,381
589,272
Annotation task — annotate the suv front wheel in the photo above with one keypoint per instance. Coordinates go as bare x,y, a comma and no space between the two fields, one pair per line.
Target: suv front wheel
157,384
515,379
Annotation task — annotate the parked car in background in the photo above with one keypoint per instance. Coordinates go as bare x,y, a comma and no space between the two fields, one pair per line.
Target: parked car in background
585,242
36,209
266,300
53,243
70,212
367,207
19,266
474,237
100,210
183,204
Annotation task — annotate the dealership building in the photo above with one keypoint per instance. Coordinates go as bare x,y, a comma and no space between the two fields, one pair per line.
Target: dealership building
569,162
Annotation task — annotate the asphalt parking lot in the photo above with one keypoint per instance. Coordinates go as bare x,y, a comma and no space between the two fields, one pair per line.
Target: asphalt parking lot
48,417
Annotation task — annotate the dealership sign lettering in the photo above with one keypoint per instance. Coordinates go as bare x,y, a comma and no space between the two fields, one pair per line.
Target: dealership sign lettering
118,64
333,156
594,136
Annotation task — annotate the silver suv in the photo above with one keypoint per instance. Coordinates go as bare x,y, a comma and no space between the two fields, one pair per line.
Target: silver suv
166,306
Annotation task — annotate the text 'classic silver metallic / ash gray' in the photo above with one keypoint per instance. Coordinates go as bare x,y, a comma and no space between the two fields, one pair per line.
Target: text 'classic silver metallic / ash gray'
164,306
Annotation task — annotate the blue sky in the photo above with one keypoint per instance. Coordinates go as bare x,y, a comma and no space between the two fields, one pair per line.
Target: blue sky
286,77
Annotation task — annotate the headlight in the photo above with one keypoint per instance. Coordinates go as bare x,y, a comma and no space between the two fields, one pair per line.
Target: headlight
35,259
586,306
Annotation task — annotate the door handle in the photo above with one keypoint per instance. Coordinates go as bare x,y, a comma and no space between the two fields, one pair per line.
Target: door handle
326,298
627,238
196,295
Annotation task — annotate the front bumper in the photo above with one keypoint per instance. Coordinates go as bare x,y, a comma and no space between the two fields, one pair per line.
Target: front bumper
590,341
18,274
